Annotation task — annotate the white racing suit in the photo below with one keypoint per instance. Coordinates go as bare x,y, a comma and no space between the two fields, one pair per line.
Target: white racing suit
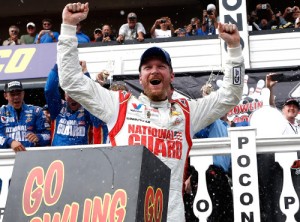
164,128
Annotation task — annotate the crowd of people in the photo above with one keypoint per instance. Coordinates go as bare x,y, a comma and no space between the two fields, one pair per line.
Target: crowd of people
263,17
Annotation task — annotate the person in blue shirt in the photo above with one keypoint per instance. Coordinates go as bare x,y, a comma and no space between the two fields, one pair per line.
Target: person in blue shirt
194,29
71,123
46,35
21,125
214,130
82,38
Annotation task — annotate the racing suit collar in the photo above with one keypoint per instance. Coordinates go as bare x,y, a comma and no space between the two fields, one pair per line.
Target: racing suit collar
161,104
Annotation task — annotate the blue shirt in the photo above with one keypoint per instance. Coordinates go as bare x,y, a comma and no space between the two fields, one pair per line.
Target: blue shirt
46,38
14,127
82,38
214,130
69,127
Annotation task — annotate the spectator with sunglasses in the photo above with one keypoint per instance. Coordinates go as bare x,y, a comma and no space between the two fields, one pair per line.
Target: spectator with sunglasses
97,34
46,35
132,29
29,38
13,36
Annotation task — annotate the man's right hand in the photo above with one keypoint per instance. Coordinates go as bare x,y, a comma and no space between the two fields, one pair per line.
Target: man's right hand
17,146
74,13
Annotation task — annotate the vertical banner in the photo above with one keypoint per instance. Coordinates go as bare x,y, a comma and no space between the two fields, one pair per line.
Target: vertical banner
244,174
235,12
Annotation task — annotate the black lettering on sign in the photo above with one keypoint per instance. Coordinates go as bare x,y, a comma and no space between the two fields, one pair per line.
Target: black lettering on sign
240,162
232,7
241,141
206,205
246,217
288,201
249,199
242,181
238,23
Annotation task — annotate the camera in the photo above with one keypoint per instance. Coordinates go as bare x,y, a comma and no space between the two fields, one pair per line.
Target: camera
106,34
194,26
263,6
163,21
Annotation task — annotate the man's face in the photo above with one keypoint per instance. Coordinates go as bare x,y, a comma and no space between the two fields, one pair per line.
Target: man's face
106,29
290,111
97,33
131,22
155,77
15,98
74,106
30,30
47,115
47,25
13,32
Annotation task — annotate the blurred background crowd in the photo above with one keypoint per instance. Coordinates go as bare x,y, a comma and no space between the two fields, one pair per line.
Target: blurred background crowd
154,21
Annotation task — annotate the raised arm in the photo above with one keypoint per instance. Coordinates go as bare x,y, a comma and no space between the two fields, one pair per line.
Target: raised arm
97,100
207,110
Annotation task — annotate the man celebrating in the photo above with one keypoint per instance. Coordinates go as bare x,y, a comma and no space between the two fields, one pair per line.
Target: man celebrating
21,125
164,127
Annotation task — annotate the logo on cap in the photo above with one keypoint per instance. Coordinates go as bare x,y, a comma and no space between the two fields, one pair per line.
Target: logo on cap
14,85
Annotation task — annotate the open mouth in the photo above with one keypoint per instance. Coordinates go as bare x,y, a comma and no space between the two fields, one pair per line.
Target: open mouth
73,104
155,81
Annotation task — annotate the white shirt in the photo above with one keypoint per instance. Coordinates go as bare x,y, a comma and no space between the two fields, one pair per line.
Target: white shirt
291,129
158,33
129,33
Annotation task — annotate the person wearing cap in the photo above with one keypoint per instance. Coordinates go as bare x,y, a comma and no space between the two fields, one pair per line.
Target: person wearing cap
30,36
21,125
71,123
13,39
97,34
164,127
132,29
210,20
290,108
46,35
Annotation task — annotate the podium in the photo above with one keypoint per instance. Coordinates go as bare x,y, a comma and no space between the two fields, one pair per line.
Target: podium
90,184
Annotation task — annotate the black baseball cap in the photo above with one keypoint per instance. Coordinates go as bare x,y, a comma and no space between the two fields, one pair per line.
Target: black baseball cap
13,86
292,101
156,52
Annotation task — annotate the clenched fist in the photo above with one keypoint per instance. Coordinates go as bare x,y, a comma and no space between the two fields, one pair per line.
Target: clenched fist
230,34
74,13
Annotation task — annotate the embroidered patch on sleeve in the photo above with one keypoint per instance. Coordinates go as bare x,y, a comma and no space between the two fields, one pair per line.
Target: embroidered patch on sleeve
236,75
